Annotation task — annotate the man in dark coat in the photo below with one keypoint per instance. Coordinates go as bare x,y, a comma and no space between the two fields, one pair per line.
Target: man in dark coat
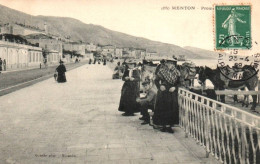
166,112
146,102
130,90
61,69
1,63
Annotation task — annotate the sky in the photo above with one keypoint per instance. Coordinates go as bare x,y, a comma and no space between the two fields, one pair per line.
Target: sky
142,18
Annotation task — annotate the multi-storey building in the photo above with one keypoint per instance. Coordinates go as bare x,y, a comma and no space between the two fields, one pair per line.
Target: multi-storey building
52,48
140,53
119,52
20,55
151,55
91,47
108,50
73,49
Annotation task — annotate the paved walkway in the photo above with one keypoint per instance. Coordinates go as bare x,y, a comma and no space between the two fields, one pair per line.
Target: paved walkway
78,122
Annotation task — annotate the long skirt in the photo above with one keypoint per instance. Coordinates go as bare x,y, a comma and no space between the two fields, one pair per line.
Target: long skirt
129,93
61,78
166,110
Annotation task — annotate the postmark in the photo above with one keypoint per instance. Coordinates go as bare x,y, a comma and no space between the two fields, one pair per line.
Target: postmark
238,67
232,27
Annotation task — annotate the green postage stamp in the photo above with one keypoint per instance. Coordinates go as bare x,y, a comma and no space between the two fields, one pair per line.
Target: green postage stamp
232,27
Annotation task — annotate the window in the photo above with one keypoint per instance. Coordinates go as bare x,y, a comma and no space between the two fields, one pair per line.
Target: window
33,57
29,56
36,57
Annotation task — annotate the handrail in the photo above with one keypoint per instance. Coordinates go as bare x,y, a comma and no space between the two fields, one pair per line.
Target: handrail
228,133
220,103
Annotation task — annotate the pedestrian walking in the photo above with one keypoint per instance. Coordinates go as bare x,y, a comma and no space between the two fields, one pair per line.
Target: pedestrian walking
45,62
90,61
146,102
130,90
104,62
166,112
4,64
61,69
1,63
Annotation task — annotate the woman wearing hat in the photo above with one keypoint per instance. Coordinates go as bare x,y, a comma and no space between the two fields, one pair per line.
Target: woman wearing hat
166,112
130,90
61,69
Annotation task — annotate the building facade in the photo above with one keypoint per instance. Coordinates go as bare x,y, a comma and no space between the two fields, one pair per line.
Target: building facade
78,48
108,50
52,48
119,52
20,55
16,29
151,55
91,47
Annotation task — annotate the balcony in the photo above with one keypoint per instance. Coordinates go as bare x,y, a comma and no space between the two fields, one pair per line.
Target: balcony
16,45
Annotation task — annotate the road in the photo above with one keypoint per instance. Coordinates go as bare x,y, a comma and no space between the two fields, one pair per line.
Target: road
78,122
14,80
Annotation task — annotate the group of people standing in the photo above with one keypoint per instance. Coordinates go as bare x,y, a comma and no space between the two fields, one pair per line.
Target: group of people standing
164,103
2,65
98,60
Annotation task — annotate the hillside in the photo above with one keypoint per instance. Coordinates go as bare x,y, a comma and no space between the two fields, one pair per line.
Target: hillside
80,31
205,53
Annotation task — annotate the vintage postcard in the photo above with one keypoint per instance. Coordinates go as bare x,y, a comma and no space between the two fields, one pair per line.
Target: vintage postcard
129,81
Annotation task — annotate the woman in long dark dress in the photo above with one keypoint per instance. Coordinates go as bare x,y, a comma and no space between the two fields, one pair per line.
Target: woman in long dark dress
130,90
166,111
61,69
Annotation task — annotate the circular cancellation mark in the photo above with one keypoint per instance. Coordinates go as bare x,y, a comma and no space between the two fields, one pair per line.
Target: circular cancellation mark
238,68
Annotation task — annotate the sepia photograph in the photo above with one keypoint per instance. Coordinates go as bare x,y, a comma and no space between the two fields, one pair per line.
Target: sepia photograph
129,82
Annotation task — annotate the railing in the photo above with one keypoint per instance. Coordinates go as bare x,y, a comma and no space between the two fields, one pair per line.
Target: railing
228,133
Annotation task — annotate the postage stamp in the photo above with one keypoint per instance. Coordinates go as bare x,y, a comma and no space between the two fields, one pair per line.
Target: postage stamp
232,27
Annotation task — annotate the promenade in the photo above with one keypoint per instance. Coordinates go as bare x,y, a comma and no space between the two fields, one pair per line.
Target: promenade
78,122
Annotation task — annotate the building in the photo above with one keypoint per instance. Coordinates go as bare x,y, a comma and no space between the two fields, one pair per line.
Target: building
75,49
108,50
151,55
119,52
20,55
140,53
132,53
125,55
52,48
53,56
143,54
91,47
20,29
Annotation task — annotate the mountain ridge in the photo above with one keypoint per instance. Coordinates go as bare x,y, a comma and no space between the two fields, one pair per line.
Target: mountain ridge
90,33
